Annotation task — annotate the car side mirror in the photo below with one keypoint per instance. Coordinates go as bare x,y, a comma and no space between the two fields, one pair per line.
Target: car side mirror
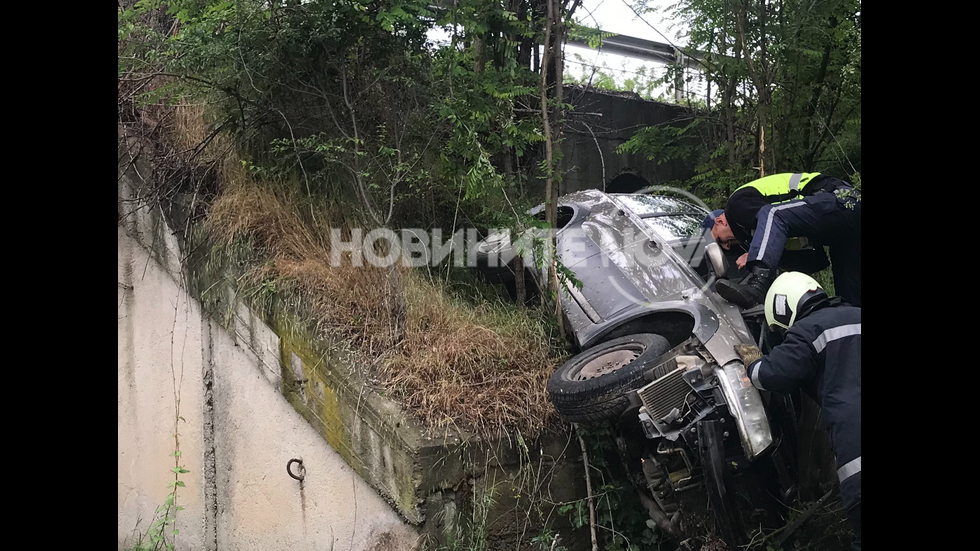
716,256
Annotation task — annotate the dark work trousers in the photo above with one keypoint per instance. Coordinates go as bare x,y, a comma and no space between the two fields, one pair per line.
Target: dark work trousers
840,389
854,516
825,218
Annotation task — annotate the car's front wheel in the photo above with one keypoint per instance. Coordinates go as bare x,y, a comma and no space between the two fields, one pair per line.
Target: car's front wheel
592,386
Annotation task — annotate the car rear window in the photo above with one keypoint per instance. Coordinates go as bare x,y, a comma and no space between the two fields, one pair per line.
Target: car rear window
656,205
676,226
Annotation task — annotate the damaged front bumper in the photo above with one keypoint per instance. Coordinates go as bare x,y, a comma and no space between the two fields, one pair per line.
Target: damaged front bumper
690,389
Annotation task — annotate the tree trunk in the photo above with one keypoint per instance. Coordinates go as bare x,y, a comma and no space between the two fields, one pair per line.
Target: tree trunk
519,282
518,261
552,57
546,123
759,79
761,114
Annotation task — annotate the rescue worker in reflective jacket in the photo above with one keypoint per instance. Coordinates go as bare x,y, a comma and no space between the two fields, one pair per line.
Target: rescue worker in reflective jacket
820,353
766,213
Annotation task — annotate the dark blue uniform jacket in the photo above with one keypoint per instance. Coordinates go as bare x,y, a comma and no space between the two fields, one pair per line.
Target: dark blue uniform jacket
821,353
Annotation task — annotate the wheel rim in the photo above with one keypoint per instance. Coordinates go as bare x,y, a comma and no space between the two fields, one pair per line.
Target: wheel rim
494,243
604,364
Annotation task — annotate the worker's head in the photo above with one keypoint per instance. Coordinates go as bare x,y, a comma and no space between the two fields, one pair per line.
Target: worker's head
721,232
709,220
787,296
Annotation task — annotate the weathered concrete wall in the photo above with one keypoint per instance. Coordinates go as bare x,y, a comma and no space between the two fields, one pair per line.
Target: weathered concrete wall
601,122
146,401
237,433
260,389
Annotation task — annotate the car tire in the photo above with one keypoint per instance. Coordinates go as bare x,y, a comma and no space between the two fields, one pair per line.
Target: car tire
592,386
496,244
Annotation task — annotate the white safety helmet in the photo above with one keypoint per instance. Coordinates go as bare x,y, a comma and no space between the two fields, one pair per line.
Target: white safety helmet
786,296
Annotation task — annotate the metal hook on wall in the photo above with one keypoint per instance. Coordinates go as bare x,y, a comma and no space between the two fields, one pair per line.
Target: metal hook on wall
289,470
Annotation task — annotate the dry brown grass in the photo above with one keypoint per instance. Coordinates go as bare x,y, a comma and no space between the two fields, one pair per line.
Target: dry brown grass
485,368
340,299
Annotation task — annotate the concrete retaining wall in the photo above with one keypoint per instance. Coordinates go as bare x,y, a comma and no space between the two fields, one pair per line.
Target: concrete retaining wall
256,389
237,432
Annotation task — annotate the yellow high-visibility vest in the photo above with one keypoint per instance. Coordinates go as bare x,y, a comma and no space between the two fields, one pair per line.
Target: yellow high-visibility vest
790,184
787,186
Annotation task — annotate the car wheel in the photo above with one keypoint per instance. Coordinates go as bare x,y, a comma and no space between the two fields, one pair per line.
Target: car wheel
496,245
592,386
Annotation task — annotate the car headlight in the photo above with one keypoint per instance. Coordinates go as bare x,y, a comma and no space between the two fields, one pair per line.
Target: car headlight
745,404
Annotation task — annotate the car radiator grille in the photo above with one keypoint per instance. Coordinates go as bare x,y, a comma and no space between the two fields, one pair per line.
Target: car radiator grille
666,393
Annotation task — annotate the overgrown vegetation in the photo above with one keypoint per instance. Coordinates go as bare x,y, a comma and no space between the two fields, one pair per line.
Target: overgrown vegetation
483,364
352,99
783,93
622,522
345,115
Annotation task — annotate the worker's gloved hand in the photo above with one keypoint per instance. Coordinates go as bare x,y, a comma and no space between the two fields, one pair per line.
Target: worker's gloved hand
748,352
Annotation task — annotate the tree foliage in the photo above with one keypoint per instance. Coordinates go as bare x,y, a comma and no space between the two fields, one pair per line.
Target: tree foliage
353,98
783,92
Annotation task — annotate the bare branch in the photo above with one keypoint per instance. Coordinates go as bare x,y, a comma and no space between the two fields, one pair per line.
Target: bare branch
588,489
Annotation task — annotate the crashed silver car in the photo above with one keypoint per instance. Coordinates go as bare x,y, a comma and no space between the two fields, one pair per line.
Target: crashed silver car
660,352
